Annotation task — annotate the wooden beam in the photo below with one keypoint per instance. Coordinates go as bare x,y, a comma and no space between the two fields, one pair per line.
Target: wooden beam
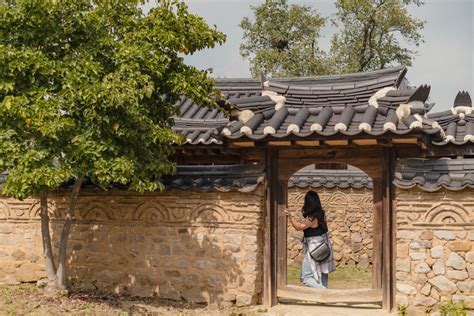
308,143
282,233
405,141
278,143
365,142
243,144
377,233
337,142
388,280
270,227
354,296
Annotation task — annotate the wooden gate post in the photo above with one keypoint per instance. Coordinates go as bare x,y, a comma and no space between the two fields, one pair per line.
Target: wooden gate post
270,229
377,256
388,233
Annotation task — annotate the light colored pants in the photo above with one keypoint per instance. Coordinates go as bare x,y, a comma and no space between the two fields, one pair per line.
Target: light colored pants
307,277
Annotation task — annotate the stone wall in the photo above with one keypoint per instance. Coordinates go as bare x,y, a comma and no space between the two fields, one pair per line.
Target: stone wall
201,247
349,213
435,247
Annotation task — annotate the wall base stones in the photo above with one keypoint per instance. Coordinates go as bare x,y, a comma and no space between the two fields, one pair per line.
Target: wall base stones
199,247
435,248
349,213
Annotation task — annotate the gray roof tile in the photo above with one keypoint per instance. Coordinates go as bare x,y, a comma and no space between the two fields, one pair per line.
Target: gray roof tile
435,174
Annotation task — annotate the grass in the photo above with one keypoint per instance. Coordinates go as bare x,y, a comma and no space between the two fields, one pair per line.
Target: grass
342,278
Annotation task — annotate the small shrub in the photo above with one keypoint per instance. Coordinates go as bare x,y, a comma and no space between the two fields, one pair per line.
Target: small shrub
402,310
451,308
11,311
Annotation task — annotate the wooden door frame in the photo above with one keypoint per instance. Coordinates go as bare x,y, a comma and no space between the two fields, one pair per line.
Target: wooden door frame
280,165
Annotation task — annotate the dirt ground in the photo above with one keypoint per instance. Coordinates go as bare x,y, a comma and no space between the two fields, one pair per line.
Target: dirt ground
28,299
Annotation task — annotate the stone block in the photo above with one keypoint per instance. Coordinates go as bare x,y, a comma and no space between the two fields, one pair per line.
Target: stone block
6,229
444,234
165,250
470,257
407,234
172,274
418,255
466,286
438,267
245,300
460,246
424,301
356,237
422,268
18,255
403,265
402,250
356,247
457,275
455,261
467,299
195,296
406,289
426,289
426,235
363,261
419,279
443,284
420,244
437,252
470,235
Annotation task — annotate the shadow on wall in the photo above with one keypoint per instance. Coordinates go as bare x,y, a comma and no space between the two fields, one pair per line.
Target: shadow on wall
197,247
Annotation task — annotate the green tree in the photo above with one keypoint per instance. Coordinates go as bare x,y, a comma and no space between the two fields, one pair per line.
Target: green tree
282,40
372,33
87,89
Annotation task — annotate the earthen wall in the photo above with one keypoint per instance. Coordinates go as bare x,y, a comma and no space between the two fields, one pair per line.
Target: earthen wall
435,247
201,247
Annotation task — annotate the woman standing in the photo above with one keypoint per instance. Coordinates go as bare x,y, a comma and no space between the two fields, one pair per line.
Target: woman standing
315,229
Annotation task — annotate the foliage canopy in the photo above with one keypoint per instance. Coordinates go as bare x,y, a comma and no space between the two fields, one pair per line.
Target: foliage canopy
282,39
87,88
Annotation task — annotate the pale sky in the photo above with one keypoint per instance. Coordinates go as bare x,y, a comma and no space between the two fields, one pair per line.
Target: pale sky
445,60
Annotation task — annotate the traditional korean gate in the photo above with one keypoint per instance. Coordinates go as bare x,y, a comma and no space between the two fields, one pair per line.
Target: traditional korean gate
378,163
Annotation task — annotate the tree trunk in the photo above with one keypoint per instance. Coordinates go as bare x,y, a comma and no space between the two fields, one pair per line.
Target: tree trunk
61,272
46,238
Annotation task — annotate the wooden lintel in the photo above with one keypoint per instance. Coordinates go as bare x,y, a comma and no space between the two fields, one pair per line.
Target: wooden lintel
277,143
355,296
337,142
243,144
405,141
308,143
365,142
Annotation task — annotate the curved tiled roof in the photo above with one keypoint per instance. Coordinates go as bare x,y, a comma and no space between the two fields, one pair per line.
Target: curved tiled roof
435,174
330,179
372,103
201,178
224,178
457,123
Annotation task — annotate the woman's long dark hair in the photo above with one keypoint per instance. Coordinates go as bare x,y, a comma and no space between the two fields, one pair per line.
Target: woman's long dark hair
312,209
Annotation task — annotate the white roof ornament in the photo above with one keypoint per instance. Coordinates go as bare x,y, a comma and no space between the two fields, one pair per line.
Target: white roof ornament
275,97
340,127
365,127
245,115
404,109
379,94
389,126
418,123
269,130
316,127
